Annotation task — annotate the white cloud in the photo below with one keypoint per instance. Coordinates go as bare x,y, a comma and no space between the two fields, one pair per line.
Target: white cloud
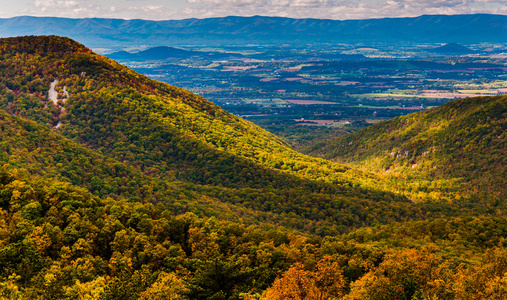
329,9
309,3
93,8
280,2
227,2
56,4
147,8
436,3
334,9
71,8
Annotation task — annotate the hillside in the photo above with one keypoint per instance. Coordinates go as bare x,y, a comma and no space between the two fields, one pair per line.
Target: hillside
58,241
177,141
156,127
454,150
28,148
96,32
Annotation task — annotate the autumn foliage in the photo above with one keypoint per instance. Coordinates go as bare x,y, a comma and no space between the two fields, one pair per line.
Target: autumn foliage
134,189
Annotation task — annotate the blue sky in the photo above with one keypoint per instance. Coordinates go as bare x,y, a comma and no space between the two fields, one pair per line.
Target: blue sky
180,9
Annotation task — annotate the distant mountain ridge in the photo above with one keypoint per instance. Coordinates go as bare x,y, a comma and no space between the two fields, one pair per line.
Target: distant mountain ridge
452,48
163,52
160,52
96,32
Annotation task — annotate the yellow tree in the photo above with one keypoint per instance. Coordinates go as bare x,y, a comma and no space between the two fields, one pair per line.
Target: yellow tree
297,283
168,287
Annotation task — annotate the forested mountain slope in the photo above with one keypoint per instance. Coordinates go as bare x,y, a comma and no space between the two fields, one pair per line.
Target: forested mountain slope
176,145
58,241
456,150
30,149
156,127
170,142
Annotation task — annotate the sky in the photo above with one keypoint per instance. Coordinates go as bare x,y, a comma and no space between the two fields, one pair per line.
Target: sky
181,9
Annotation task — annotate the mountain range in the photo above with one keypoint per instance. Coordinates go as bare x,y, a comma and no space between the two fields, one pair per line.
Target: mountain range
118,33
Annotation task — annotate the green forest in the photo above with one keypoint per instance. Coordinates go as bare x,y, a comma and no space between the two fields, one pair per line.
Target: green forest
455,150
115,186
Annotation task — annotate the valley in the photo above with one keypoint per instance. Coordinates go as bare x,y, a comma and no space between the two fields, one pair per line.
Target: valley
117,186
345,88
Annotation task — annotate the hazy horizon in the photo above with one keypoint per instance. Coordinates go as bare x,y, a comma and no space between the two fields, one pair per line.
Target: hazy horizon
300,9
225,16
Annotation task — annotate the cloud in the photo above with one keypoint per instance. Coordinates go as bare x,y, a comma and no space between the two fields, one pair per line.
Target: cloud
330,9
56,4
299,3
71,8
102,9
436,3
327,9
261,4
222,3
145,8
